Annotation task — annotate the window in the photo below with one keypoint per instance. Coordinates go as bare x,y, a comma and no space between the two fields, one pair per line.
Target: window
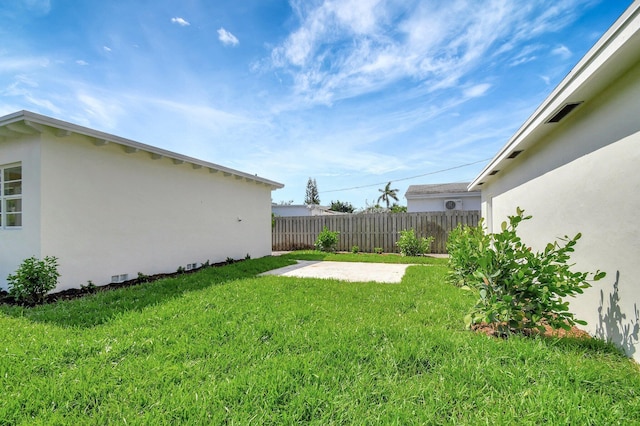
11,196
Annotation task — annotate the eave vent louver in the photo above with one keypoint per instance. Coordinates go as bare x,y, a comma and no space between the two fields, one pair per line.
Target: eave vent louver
563,112
514,154
493,173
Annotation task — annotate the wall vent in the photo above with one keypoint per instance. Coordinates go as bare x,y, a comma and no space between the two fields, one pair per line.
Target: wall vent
119,278
514,154
563,112
191,266
493,173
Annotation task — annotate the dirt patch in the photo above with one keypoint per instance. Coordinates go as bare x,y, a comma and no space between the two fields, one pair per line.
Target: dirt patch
495,330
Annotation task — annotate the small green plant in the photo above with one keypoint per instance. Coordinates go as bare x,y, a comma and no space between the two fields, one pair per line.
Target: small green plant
327,240
520,289
355,249
465,245
377,250
229,260
180,270
247,257
143,278
89,287
410,245
33,279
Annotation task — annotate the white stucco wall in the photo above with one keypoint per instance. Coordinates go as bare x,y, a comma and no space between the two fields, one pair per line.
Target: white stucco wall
584,178
17,244
106,212
436,204
290,210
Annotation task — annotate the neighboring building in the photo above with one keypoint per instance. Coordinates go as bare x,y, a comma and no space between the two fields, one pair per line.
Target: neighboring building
283,210
109,207
441,197
574,166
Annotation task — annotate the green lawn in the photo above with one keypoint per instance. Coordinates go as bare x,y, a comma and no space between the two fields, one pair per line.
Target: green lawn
222,346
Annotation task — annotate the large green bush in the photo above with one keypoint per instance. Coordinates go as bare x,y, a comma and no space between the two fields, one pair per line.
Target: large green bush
410,245
521,289
33,279
327,240
465,245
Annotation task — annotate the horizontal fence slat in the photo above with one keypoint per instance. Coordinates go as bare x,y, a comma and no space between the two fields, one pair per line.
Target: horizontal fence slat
369,231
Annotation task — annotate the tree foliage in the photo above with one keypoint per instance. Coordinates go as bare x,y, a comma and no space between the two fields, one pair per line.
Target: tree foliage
387,194
312,196
344,207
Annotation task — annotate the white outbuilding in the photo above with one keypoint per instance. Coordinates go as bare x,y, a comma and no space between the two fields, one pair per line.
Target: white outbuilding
109,207
441,197
574,165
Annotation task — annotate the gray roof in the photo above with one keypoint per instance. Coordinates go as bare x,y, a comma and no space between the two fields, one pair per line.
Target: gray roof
439,188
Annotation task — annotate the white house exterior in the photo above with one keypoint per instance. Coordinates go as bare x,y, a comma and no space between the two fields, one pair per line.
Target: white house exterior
441,197
292,210
109,207
580,172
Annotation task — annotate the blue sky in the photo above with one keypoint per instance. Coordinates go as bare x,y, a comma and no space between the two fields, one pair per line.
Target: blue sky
353,93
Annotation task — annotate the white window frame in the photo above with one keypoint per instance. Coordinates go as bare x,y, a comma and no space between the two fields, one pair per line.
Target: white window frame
4,198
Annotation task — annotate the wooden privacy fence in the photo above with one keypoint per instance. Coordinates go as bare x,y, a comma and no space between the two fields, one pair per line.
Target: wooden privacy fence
369,231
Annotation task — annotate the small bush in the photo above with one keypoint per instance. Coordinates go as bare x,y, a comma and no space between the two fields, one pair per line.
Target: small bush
377,250
327,240
355,249
520,289
33,279
410,245
465,245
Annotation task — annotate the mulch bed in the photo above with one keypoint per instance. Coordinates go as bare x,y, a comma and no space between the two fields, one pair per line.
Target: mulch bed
493,331
75,293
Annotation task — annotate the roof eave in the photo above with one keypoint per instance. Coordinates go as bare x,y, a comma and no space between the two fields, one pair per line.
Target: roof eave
38,119
609,46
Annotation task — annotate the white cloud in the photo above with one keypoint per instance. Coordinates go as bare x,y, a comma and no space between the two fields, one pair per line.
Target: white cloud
106,48
476,91
82,62
21,64
562,51
227,38
180,21
103,112
353,47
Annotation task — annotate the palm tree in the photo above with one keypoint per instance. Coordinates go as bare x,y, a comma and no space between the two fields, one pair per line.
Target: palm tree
388,194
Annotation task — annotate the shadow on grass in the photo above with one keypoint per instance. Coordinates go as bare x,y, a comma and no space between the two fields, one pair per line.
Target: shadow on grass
592,345
100,307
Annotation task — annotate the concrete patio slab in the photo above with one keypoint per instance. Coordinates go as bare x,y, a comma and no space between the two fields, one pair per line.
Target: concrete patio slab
345,271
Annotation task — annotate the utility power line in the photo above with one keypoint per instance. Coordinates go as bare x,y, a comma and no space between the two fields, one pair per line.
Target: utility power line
407,178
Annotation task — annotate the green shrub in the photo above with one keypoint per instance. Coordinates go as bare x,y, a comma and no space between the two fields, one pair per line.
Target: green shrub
465,245
33,279
327,240
377,250
410,245
520,289
355,249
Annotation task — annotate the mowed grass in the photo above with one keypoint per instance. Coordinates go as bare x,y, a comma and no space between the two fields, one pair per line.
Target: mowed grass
365,257
222,346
